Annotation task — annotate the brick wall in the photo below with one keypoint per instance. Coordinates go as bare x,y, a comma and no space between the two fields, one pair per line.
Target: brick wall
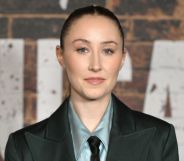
143,20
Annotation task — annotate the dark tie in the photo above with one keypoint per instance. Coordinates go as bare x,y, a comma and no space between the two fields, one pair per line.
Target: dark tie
94,143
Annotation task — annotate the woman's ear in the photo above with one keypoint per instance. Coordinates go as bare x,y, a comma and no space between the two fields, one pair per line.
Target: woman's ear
59,54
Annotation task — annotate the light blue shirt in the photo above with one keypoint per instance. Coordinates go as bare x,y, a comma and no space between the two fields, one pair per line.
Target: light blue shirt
80,133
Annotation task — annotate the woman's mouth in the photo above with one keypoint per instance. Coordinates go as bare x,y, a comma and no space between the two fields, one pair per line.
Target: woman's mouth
95,80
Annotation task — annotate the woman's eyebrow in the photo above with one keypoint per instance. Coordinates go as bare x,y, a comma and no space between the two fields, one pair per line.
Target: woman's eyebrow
82,40
109,42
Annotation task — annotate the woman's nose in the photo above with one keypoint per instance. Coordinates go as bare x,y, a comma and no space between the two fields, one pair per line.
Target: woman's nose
95,63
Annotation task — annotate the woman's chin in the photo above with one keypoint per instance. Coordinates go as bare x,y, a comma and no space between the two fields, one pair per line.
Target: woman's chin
90,94
95,95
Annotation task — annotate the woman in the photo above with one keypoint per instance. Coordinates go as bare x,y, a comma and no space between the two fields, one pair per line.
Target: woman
92,124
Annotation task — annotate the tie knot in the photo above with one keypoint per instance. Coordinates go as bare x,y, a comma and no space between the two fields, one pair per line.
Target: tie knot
94,143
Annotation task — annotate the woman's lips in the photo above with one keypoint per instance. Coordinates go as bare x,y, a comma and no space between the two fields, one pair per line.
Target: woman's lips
95,80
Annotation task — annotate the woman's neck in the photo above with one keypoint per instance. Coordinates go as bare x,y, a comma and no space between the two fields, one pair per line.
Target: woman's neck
90,112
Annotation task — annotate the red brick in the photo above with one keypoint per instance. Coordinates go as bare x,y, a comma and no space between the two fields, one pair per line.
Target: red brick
126,26
30,67
140,55
3,27
29,108
132,100
145,7
35,28
145,30
40,6
137,85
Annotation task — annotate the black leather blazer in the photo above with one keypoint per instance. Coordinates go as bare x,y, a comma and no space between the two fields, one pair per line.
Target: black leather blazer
134,136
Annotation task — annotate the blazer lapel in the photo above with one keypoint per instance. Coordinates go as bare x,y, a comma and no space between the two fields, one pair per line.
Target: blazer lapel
125,142
57,144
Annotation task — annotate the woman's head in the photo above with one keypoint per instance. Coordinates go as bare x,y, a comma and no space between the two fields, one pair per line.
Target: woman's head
92,52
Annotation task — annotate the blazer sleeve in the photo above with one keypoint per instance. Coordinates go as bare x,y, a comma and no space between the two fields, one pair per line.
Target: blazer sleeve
11,151
170,151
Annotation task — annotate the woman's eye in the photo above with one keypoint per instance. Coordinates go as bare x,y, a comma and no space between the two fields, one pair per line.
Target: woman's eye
82,50
108,51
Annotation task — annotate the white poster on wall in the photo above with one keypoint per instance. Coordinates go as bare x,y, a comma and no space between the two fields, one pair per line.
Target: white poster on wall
49,78
165,90
11,88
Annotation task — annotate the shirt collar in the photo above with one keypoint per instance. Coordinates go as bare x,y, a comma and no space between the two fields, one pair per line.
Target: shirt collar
80,133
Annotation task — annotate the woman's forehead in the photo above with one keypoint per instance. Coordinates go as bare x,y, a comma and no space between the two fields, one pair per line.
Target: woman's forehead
94,19
94,26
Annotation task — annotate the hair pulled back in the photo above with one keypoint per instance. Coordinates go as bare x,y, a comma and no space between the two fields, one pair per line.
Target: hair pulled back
89,10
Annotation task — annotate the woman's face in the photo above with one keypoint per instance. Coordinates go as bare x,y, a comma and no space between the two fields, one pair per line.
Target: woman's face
92,56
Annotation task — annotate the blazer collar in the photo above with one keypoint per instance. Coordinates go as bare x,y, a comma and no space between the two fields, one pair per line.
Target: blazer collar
58,124
123,121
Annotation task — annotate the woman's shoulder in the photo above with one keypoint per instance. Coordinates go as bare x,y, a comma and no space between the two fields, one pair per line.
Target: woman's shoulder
162,130
149,120
17,140
38,129
141,119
